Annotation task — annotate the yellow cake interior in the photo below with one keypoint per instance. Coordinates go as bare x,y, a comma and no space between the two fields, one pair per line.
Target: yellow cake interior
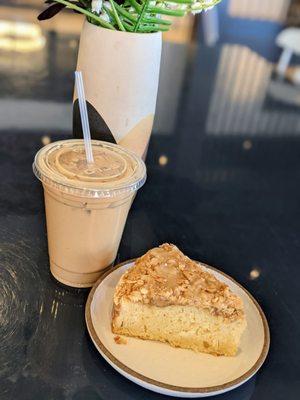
167,297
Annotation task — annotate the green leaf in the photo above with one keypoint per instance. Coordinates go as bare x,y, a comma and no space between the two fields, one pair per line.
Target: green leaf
165,11
128,27
117,18
147,15
125,13
135,5
141,16
158,21
152,28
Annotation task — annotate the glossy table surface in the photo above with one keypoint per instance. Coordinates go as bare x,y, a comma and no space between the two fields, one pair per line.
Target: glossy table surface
223,184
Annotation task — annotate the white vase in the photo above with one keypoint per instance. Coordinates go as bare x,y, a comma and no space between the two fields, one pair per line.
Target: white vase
121,73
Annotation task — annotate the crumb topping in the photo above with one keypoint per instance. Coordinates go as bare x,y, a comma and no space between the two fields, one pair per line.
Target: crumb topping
165,276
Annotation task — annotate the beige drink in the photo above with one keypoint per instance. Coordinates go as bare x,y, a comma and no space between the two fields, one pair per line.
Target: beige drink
86,205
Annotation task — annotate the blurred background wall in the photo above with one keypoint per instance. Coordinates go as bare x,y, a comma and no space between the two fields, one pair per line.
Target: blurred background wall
235,44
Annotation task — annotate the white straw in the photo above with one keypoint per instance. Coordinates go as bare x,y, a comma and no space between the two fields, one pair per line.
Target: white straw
84,117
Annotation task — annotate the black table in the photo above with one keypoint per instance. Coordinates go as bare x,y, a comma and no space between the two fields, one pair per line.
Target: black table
223,184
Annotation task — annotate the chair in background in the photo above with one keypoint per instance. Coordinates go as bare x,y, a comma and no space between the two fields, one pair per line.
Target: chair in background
289,41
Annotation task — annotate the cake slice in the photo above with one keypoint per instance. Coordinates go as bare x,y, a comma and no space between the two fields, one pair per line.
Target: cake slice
166,296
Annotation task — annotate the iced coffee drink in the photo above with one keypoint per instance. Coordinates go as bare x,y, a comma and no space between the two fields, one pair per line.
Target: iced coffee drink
86,205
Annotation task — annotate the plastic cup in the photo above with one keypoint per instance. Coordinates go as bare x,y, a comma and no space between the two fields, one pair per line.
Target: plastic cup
86,205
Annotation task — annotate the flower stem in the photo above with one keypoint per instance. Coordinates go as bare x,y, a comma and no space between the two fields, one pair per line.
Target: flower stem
141,16
119,22
164,11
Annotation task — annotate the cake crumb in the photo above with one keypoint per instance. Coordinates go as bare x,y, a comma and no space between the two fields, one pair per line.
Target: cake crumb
120,340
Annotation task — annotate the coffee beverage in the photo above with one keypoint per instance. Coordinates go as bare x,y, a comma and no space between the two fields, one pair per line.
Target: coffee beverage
86,205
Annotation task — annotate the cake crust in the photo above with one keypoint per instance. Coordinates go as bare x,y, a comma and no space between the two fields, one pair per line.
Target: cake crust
164,276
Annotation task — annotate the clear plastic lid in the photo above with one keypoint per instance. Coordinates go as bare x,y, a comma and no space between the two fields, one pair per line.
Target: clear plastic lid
63,165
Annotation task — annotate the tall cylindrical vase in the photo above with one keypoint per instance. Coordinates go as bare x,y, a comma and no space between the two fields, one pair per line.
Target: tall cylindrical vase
121,73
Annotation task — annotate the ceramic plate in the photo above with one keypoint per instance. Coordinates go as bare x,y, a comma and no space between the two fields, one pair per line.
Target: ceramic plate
173,371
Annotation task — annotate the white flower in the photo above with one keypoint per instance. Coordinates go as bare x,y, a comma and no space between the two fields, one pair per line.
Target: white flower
207,2
107,5
104,16
197,11
198,7
97,6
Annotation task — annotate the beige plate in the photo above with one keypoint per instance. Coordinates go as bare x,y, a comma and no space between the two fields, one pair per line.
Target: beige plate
167,370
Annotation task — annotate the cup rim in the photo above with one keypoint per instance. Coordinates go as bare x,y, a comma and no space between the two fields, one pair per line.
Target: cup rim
135,182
